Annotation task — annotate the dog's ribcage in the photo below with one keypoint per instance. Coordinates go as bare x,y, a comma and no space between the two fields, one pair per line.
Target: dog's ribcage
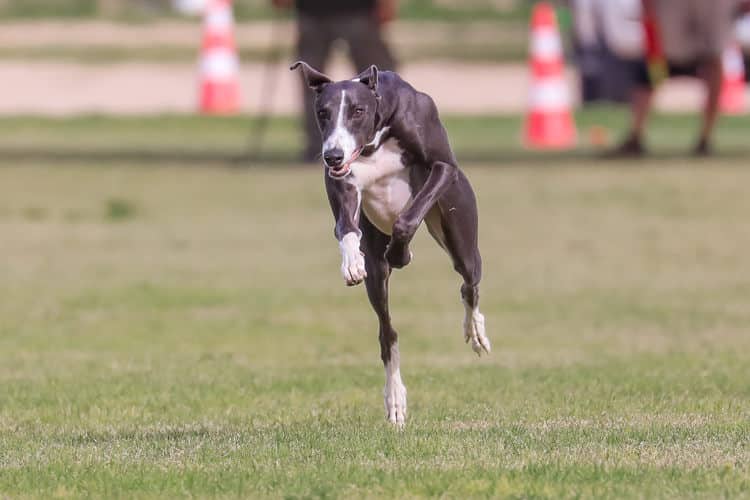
383,183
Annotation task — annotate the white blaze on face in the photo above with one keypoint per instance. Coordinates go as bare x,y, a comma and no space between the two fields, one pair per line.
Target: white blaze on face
340,136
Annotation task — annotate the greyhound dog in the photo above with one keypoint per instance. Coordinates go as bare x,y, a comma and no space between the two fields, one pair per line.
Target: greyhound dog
389,167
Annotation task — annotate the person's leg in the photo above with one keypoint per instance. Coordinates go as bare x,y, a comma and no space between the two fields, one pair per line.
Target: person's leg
673,20
713,21
366,44
710,72
640,104
313,45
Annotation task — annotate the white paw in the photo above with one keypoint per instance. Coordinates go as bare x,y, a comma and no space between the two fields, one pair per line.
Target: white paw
394,396
474,332
352,260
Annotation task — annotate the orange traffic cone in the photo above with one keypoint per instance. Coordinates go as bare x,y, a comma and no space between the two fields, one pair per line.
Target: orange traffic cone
732,97
219,65
549,122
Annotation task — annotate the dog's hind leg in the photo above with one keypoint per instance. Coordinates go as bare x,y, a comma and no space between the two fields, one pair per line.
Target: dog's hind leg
378,272
455,226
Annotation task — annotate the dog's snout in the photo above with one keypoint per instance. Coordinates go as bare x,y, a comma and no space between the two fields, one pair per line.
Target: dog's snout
333,157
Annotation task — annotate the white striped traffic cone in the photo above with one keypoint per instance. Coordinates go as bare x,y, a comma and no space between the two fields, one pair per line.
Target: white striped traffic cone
549,122
732,97
219,65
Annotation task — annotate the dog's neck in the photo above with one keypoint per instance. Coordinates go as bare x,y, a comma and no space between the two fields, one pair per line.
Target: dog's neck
380,137
386,105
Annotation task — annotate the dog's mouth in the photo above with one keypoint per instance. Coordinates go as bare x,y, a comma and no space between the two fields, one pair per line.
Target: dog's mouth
343,170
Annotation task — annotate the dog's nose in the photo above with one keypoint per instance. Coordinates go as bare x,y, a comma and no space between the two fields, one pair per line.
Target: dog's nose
333,157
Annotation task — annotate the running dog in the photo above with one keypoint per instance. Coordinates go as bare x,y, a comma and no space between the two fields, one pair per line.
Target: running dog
389,167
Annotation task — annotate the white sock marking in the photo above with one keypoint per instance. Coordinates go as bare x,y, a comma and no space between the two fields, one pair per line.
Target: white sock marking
394,392
352,261
474,330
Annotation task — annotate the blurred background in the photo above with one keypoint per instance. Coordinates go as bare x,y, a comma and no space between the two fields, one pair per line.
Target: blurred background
126,62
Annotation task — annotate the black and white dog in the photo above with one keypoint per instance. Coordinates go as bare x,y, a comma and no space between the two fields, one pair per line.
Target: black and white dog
389,166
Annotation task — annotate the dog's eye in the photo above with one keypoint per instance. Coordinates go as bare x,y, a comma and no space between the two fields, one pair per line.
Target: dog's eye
359,112
323,114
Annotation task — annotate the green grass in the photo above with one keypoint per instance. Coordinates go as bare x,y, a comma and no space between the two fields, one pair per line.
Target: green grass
169,331
197,139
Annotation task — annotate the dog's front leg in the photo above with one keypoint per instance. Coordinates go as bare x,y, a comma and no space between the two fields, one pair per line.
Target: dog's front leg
441,176
345,199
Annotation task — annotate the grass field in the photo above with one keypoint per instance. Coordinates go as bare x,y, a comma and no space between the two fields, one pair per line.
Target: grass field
169,331
198,140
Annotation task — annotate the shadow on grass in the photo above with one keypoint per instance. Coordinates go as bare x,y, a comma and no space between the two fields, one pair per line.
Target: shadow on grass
239,159
148,435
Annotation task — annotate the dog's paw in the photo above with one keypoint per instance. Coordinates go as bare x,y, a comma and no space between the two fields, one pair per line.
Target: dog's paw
353,270
398,255
352,260
474,332
394,396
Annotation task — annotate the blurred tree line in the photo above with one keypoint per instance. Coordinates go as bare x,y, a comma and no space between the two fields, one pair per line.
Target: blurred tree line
254,9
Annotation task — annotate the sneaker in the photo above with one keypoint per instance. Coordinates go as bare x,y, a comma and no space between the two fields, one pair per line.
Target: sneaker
630,148
702,149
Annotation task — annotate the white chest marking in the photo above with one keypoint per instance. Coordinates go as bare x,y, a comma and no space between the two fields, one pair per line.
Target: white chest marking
383,181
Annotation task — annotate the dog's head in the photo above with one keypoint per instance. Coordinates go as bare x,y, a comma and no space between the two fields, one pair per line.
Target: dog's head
347,115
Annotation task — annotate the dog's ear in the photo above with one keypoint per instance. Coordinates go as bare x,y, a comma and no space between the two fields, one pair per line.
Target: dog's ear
370,78
314,78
